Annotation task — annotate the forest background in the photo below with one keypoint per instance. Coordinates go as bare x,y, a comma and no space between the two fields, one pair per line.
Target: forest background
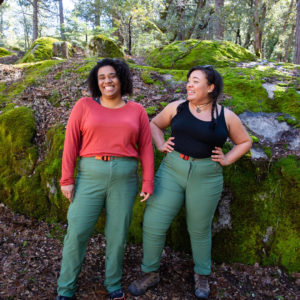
268,28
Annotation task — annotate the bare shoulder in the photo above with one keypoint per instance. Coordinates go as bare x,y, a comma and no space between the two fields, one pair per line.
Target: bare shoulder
230,116
171,108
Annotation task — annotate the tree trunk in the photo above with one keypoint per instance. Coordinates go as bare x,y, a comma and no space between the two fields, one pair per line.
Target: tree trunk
258,26
297,36
284,28
61,20
181,15
163,16
97,7
129,35
200,5
238,39
35,20
220,20
288,44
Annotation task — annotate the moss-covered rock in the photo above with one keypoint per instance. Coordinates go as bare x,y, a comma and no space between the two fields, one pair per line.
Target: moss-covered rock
18,154
186,54
102,46
4,52
41,49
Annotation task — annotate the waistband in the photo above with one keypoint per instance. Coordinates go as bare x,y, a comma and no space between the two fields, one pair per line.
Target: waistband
186,157
110,157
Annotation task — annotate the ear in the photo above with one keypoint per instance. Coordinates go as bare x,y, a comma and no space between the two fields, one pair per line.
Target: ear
211,88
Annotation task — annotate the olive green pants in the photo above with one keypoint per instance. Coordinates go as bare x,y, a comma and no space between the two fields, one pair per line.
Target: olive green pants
198,184
112,184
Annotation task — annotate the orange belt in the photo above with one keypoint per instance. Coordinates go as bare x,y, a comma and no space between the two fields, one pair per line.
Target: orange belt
104,157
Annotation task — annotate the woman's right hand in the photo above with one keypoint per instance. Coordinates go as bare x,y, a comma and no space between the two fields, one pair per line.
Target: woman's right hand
167,146
68,191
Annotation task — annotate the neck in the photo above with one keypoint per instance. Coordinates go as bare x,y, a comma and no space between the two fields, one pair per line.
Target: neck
111,102
202,106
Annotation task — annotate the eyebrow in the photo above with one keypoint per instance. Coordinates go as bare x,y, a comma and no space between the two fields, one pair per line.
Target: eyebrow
193,77
112,73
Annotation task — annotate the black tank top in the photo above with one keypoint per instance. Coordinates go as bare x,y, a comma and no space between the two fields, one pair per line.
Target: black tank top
197,138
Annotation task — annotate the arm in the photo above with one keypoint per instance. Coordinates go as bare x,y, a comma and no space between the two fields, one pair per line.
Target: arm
71,149
240,138
146,156
161,122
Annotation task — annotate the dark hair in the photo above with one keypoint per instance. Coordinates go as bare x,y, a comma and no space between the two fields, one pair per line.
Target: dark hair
212,77
122,72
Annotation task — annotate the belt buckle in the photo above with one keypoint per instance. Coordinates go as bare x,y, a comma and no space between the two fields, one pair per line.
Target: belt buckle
185,157
103,157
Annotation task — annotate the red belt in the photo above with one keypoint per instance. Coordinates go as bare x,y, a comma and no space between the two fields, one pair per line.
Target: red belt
183,156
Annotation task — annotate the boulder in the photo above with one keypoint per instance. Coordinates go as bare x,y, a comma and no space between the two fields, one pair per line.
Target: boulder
186,54
102,46
42,49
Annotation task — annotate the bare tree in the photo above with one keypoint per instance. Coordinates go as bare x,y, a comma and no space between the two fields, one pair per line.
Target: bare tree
260,11
297,36
61,20
35,20
219,21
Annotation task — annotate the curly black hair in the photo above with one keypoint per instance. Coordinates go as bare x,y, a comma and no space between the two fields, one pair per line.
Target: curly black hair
122,72
212,77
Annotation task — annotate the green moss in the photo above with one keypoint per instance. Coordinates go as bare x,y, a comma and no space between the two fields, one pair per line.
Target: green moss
268,151
139,97
55,97
264,212
17,153
163,104
185,54
41,49
254,139
102,46
4,52
146,77
32,73
151,110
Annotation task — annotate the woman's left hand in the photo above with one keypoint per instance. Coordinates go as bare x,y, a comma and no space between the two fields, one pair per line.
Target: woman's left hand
145,195
219,157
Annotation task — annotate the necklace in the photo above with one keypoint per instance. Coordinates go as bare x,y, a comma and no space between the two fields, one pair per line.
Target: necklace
198,107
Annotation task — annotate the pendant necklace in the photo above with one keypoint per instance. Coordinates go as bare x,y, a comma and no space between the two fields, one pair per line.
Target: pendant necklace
198,107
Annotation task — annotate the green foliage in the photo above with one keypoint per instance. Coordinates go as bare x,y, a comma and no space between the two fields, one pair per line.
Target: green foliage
151,110
146,77
4,52
18,154
186,54
102,46
163,104
139,97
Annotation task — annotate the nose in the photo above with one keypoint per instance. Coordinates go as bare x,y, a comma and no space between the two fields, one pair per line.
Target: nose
189,84
107,79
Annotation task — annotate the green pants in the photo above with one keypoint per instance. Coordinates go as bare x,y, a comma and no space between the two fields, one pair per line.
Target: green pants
112,184
198,184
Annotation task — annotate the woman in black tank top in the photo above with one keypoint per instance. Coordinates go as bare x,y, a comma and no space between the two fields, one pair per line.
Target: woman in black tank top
190,174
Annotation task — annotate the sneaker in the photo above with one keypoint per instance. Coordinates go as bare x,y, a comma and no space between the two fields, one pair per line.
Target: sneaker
146,281
117,295
63,298
201,286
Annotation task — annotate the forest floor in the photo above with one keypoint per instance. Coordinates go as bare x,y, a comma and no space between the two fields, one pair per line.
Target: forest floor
30,262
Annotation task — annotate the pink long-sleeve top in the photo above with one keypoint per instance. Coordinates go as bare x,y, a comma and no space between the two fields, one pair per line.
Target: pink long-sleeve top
94,130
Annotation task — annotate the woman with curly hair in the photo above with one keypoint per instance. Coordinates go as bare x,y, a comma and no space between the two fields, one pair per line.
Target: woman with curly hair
190,174
109,134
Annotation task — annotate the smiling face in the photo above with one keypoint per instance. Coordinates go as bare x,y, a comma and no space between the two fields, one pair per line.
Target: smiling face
109,83
198,88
